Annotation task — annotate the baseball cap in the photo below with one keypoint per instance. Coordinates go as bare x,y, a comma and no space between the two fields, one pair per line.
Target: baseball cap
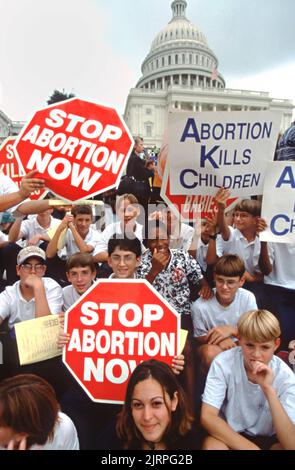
29,252
7,217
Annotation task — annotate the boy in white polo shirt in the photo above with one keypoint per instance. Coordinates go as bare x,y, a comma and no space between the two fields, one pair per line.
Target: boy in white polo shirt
33,295
34,229
215,320
249,398
81,272
80,237
243,240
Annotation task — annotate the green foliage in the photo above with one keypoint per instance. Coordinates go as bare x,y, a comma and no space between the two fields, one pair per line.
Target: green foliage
58,96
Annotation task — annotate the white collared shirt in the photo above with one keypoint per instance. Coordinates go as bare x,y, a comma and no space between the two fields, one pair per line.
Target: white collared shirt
31,227
207,314
183,240
110,231
203,250
7,186
17,309
249,252
70,247
3,237
282,258
70,296
242,403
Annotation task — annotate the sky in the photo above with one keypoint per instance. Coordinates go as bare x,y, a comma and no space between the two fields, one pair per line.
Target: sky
95,48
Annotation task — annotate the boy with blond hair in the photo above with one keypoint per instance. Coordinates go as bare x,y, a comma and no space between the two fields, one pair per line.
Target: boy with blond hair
249,398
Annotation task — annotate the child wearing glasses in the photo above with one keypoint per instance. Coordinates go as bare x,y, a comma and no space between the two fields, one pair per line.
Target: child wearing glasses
33,295
215,320
243,239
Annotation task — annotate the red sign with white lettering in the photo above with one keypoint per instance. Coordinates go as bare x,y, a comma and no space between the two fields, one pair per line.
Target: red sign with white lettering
9,165
113,327
190,208
79,148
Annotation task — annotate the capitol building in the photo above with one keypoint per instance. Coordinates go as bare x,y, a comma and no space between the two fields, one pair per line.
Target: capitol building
181,73
8,127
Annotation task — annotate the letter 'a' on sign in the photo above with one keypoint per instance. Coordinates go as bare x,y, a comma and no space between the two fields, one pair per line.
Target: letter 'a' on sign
113,327
10,166
79,148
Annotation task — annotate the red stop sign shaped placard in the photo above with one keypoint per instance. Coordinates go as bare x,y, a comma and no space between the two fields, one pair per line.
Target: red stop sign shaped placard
79,148
10,166
115,326
190,208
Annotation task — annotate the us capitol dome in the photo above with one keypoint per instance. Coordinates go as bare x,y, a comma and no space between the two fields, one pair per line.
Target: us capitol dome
181,72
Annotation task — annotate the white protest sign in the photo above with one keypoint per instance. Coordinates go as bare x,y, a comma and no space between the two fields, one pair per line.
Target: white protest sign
278,203
37,339
221,149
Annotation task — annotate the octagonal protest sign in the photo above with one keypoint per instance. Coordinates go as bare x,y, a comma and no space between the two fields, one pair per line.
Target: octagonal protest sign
113,327
190,208
10,166
79,148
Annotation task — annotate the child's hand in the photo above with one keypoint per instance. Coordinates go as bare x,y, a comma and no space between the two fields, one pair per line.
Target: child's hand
34,240
219,333
178,364
61,319
221,197
157,215
63,339
212,224
261,225
160,260
67,220
206,292
226,344
21,445
263,374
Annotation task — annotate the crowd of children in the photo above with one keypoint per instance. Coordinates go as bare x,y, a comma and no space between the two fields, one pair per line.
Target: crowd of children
223,282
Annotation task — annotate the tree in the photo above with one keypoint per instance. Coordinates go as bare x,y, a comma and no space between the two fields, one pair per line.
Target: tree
58,96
